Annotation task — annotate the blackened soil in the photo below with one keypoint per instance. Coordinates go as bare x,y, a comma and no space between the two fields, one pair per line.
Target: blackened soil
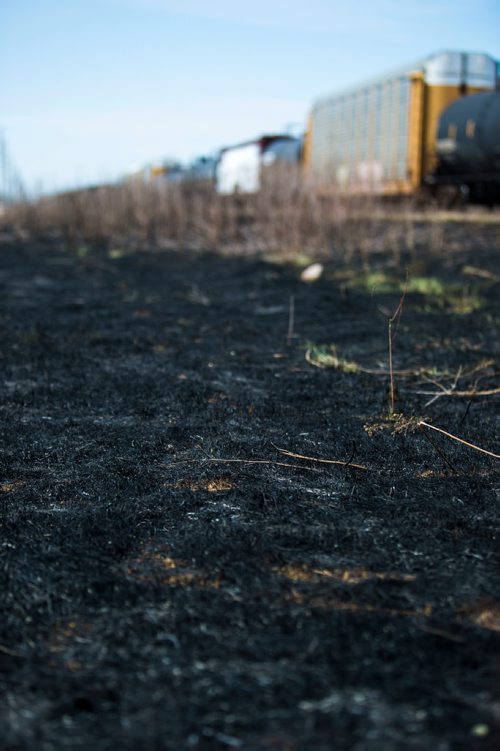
171,580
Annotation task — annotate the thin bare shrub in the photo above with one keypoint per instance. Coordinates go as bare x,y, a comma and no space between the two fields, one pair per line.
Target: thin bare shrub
288,217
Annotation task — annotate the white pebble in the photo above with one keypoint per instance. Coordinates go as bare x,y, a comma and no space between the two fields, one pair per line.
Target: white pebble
312,273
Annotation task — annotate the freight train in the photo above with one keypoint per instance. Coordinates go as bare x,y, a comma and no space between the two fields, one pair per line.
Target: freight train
429,126
468,149
428,129
241,168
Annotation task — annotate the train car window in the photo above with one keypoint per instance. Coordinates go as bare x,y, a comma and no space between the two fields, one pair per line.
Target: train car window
470,128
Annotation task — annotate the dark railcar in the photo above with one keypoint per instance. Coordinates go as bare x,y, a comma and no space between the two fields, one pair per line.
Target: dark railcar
468,147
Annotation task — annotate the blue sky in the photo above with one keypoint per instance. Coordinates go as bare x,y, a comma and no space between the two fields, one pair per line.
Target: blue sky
92,88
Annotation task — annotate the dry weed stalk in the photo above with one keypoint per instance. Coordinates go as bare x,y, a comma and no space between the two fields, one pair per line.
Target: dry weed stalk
221,460
347,463
465,394
453,390
395,318
289,215
423,424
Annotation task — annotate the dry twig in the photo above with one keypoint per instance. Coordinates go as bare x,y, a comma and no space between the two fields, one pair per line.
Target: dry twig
452,392
348,463
444,391
423,424
220,460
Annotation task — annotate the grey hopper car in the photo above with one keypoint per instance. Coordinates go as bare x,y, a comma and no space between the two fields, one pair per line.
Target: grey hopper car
468,147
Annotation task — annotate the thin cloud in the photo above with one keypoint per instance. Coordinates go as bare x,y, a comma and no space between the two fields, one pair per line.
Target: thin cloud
316,15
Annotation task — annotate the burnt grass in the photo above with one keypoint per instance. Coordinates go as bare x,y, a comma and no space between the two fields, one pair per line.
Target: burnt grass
170,579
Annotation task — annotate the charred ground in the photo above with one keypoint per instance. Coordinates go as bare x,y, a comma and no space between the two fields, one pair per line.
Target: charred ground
170,579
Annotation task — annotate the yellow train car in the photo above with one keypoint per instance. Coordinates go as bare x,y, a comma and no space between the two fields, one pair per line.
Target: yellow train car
380,137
